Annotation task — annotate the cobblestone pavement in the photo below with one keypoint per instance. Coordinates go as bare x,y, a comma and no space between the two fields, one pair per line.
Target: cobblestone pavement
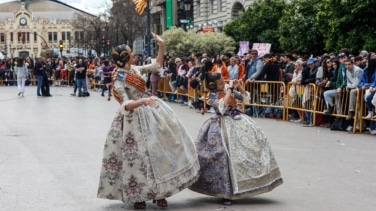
51,151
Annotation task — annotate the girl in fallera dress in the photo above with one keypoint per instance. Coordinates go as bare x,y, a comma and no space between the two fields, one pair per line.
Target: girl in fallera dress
235,157
148,154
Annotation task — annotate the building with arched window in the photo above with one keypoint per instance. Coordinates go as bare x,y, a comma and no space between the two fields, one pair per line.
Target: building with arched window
35,27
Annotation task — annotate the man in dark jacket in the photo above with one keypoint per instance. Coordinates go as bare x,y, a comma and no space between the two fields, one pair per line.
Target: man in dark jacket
81,78
38,69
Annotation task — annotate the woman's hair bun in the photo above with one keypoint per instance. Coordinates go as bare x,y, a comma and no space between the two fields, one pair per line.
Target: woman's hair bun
120,55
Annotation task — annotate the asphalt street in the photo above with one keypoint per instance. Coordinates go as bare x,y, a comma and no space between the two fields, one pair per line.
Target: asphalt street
51,151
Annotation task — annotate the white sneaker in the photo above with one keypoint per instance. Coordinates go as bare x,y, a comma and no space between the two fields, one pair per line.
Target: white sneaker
349,128
211,110
373,132
369,116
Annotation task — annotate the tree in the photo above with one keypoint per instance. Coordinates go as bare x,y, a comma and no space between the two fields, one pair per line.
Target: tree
350,24
181,43
91,26
299,29
126,24
258,24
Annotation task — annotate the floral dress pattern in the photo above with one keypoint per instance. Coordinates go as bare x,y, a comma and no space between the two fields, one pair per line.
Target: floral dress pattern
148,154
235,157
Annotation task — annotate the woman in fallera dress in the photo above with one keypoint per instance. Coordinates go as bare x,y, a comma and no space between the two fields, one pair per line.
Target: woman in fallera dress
235,157
148,154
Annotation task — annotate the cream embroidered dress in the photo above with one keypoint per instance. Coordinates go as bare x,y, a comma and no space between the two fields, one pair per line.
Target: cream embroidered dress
235,157
148,153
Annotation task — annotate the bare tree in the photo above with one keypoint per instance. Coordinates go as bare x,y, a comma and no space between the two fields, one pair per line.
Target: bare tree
90,29
126,24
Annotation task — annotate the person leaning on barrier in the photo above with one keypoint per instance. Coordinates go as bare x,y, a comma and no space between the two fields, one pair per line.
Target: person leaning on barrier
308,76
368,85
354,76
254,64
289,68
336,86
269,71
293,92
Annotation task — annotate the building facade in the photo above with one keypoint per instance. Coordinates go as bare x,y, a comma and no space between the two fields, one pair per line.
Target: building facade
36,27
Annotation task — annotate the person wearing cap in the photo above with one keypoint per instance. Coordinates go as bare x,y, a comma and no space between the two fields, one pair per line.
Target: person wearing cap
308,76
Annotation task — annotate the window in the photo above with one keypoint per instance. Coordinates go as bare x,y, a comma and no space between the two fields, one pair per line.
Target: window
35,37
63,36
82,36
211,7
11,37
199,9
220,6
76,36
55,36
2,37
49,36
68,35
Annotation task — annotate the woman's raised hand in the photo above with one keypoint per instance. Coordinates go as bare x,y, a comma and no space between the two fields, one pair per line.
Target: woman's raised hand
157,38
236,83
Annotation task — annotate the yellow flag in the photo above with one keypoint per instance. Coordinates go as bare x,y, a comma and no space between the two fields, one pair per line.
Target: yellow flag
140,5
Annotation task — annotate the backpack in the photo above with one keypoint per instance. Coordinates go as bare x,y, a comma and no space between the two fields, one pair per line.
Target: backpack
278,112
340,124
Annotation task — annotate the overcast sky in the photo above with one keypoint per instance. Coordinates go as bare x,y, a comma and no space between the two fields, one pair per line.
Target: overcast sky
90,6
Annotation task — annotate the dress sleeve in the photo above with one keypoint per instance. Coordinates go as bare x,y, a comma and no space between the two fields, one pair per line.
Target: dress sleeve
219,104
120,91
153,67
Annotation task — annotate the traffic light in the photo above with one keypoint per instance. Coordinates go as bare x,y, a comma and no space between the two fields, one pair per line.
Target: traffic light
103,41
189,21
61,45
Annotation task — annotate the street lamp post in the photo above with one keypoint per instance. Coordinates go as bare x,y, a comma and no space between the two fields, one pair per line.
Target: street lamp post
12,52
187,8
35,53
148,30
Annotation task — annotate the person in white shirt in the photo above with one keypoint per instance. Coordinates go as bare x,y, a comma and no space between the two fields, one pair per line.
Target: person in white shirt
354,76
233,69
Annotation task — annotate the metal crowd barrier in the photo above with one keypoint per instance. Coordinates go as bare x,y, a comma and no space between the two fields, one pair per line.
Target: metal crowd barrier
265,95
275,95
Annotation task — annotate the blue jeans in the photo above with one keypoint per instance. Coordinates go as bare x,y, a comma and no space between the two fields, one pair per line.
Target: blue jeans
81,83
39,83
329,95
369,104
308,117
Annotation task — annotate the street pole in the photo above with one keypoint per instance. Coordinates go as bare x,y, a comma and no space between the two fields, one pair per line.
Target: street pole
148,30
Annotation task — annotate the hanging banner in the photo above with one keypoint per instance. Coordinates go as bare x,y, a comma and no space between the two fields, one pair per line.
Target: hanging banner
243,47
169,21
262,48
